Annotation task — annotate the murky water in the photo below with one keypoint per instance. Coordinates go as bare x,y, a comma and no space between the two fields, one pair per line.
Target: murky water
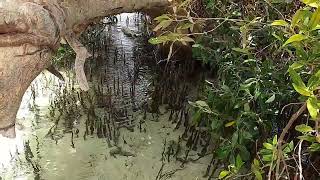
105,133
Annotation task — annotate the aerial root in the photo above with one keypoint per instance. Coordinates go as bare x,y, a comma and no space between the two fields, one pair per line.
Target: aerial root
81,55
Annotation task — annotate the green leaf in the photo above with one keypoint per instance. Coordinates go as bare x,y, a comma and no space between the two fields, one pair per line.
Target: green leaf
162,17
230,124
314,81
186,26
223,151
258,174
197,116
277,37
307,138
295,38
202,103
297,17
244,51
303,128
297,65
246,107
186,39
271,99
275,140
302,90
295,77
244,153
314,147
279,23
312,3
223,174
235,138
163,24
267,158
239,162
312,107
255,168
315,19
289,148
159,40
298,84
268,146
256,162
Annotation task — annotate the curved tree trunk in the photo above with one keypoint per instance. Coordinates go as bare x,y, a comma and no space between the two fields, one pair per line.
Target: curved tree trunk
30,32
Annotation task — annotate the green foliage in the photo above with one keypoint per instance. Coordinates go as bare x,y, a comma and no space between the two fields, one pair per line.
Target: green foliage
253,53
64,53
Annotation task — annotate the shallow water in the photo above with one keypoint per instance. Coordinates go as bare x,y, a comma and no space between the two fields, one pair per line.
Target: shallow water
135,151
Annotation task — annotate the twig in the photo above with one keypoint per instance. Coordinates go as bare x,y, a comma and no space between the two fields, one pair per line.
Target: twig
284,132
289,105
300,164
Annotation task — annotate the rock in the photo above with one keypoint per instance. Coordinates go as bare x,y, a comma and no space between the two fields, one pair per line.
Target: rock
121,151
128,32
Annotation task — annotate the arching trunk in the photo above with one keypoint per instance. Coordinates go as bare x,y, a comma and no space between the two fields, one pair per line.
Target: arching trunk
30,32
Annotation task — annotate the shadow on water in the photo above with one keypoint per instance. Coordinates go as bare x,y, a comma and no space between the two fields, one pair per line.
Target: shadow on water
120,124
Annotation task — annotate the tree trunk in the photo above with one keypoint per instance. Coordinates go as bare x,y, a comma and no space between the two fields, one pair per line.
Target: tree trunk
30,32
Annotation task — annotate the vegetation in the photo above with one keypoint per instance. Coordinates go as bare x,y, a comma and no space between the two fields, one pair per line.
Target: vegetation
262,108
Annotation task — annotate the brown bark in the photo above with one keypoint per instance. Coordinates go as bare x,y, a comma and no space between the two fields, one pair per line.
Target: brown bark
16,72
30,31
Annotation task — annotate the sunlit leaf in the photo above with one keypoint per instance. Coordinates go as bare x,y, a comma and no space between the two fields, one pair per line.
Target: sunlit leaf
258,174
307,138
163,24
271,99
159,40
279,23
275,140
312,3
300,16
162,17
314,147
303,128
268,146
298,84
186,39
314,81
289,148
239,162
230,124
312,107
267,158
297,65
315,19
202,103
223,174
255,168
295,38
256,162
302,90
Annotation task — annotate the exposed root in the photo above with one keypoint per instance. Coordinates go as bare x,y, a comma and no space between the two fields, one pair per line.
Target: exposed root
282,135
8,131
55,72
81,55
